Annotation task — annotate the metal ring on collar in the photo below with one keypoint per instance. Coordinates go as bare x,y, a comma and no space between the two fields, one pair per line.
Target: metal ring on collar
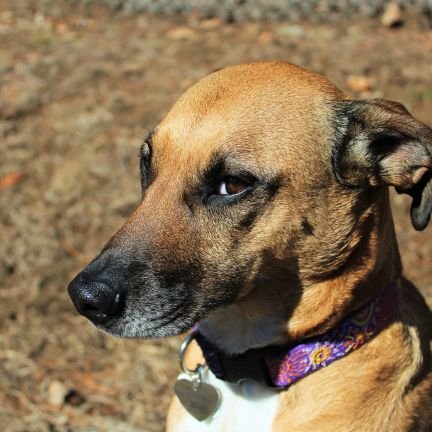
182,351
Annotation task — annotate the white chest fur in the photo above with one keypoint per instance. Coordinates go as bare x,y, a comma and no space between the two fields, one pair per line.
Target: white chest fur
244,407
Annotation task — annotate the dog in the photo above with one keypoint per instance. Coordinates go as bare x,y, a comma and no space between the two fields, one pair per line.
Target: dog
265,225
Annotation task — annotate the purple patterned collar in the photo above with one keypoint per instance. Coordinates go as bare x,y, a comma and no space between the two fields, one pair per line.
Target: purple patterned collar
281,366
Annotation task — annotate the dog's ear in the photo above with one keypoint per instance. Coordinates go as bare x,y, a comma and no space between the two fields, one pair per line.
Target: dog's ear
378,143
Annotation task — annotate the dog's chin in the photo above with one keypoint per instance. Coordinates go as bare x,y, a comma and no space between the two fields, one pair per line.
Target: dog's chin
146,327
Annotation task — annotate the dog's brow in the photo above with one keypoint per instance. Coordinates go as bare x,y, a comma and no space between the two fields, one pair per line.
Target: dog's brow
214,168
222,164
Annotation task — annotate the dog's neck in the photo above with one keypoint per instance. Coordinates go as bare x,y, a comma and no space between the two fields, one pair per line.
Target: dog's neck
297,311
281,366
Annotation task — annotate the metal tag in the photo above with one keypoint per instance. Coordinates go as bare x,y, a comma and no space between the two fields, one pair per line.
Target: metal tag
200,399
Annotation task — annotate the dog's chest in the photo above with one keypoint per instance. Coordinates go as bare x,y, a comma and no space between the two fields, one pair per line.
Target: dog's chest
244,407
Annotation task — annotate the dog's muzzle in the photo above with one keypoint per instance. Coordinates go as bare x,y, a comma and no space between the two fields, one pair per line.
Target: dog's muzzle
95,300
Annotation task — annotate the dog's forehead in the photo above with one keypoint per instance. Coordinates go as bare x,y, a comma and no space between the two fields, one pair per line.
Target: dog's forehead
253,110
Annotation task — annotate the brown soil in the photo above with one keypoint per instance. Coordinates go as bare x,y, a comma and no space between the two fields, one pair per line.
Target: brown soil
76,97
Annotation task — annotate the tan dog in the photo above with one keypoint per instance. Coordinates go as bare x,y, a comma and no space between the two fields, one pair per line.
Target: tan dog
265,218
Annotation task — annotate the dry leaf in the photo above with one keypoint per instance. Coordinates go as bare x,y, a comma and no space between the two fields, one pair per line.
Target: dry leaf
392,15
11,179
182,33
57,392
359,83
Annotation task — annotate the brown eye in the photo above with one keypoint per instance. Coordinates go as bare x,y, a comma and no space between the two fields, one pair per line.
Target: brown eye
232,186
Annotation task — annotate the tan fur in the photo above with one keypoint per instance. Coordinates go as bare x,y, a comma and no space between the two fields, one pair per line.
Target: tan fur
278,118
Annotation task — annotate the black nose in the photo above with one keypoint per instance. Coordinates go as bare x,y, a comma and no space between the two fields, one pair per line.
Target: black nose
97,301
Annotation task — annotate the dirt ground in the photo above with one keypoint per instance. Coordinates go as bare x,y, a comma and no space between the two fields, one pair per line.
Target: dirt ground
77,94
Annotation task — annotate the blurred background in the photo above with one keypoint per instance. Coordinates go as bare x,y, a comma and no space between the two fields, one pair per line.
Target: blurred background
80,83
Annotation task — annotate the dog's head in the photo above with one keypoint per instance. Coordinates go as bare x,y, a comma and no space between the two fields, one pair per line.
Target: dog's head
260,182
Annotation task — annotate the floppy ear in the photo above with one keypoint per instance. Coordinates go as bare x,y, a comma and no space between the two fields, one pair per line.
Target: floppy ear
378,143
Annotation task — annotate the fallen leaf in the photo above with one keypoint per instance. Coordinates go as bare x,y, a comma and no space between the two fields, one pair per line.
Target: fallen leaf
182,33
11,179
88,382
359,83
265,37
392,15
57,392
211,23
62,27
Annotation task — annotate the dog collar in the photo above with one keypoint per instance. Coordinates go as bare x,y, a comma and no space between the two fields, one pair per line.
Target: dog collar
281,366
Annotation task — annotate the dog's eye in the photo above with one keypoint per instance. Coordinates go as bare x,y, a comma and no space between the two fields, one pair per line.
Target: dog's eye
232,186
145,155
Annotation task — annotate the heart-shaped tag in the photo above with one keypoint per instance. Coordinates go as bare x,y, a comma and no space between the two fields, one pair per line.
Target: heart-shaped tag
201,401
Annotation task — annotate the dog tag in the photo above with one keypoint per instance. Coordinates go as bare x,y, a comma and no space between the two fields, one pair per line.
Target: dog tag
201,400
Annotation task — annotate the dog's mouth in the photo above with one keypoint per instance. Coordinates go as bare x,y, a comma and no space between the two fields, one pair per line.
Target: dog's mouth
147,322
151,313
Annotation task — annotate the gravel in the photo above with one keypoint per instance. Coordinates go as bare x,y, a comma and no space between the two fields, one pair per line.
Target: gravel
268,10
